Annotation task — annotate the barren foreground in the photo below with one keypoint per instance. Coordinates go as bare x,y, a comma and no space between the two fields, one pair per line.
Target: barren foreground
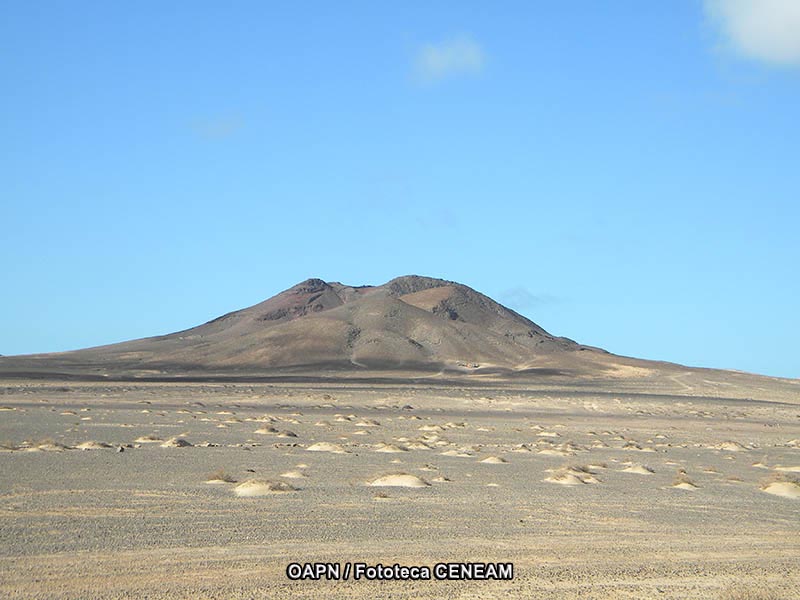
589,494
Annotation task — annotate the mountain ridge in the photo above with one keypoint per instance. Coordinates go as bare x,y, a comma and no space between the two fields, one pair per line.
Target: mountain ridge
409,320
409,326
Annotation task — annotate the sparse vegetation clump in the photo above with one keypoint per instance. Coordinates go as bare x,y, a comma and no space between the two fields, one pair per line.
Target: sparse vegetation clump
258,487
220,476
45,444
572,475
683,482
176,442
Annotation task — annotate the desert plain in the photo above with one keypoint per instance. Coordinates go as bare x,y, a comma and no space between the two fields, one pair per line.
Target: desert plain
415,423
133,489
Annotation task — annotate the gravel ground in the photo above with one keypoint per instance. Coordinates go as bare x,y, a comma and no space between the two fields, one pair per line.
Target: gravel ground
144,523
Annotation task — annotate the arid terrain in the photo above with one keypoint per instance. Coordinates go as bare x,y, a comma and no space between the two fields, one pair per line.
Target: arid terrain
597,476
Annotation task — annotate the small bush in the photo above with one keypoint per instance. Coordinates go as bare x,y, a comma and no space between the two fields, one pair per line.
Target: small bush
221,475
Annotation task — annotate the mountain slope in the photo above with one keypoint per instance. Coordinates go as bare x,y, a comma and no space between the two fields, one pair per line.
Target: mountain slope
409,322
407,329
410,326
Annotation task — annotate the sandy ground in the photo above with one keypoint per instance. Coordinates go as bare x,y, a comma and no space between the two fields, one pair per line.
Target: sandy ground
578,492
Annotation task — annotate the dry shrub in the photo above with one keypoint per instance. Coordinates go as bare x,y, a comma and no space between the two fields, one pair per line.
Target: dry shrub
221,475
682,477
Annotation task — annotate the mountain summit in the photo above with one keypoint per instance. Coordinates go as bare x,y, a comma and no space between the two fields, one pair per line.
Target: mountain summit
411,322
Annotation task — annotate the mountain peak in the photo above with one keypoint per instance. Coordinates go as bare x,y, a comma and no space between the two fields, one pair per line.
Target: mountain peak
409,284
309,286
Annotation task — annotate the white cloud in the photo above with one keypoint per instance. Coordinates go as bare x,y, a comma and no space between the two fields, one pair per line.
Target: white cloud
767,30
454,56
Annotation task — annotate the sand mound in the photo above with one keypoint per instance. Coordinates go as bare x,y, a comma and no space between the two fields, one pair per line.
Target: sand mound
431,428
326,447
176,442
263,419
494,460
47,446
219,477
458,453
390,448
791,469
521,448
637,447
418,446
685,485
286,434
555,452
368,423
565,479
148,439
730,447
638,469
785,489
294,474
399,480
259,487
682,482
572,447
586,474
572,476
92,445
265,430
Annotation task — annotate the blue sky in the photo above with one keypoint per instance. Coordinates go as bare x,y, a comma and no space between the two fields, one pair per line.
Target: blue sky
623,173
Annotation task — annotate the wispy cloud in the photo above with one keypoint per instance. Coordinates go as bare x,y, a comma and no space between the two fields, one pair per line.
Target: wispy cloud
460,55
766,30
520,298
